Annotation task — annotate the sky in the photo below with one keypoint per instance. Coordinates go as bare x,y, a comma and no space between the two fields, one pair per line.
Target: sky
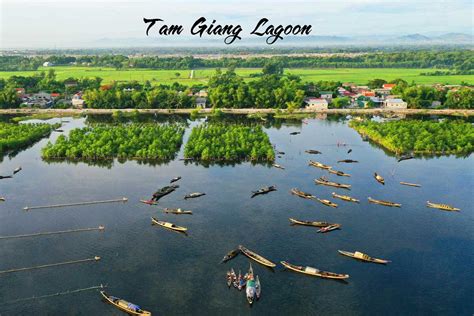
74,23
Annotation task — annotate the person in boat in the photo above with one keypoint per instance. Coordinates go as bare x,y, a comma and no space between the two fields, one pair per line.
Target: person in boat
163,191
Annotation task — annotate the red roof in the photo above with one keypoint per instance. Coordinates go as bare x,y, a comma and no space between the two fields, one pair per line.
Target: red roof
388,85
55,95
368,94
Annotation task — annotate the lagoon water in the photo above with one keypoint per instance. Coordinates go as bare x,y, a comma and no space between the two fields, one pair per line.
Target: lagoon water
172,274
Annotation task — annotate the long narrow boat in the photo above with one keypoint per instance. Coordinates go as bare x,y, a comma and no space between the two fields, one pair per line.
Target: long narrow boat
313,152
362,256
125,306
278,166
256,257
314,271
384,203
302,194
327,202
410,184
444,207
230,255
309,223
149,202
339,173
329,228
345,198
319,165
177,211
2,199
168,225
324,181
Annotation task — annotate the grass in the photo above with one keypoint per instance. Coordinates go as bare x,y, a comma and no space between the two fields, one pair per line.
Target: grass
201,76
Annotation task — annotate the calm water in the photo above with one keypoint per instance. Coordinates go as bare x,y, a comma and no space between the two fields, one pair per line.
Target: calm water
171,274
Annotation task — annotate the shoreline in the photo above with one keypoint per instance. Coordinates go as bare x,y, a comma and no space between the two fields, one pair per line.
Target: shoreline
72,112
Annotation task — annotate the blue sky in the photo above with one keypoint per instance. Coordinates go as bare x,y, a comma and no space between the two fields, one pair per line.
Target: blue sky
73,23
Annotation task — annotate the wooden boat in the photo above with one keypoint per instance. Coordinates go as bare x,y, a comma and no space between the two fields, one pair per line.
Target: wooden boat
264,190
309,223
314,272
295,133
302,194
124,306
313,152
349,151
230,255
252,255
348,161
233,278
193,195
2,199
177,211
324,181
164,191
319,165
229,278
17,170
258,288
5,177
410,184
168,225
250,290
407,157
379,178
278,166
339,173
382,202
149,202
362,256
329,228
345,198
175,179
327,202
444,207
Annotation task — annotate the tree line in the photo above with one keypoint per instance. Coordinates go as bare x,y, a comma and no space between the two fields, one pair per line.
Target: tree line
417,136
460,60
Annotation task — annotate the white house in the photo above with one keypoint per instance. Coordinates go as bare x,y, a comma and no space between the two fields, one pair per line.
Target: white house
77,101
326,95
201,102
316,104
47,64
394,104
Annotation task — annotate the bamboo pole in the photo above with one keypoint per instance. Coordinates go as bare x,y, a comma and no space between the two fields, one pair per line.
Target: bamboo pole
27,208
101,228
96,258
55,294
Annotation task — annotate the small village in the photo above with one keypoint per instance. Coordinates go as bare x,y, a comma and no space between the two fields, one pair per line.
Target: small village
348,95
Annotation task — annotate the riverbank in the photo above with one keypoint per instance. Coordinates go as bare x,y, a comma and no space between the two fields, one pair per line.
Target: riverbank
376,111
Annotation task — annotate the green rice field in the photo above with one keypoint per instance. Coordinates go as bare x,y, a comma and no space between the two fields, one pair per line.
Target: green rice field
356,75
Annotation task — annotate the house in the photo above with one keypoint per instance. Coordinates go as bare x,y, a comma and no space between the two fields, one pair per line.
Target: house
326,95
201,102
435,104
70,83
202,94
41,99
47,64
383,92
316,104
388,86
77,101
20,91
368,93
394,104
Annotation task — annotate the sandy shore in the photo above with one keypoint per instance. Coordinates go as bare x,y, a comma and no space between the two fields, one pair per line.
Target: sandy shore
63,112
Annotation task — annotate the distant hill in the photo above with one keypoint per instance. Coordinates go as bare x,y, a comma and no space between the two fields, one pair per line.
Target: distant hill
414,37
